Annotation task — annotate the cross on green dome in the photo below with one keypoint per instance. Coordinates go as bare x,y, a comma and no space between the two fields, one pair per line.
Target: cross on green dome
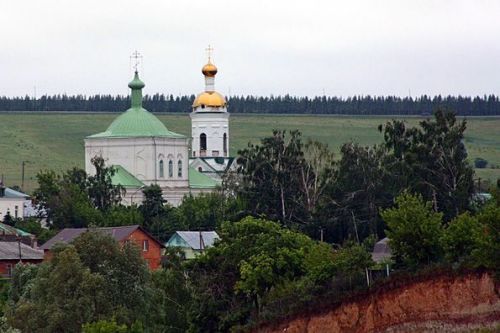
137,121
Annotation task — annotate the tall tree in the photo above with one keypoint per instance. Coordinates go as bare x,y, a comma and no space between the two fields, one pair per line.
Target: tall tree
271,176
432,160
101,190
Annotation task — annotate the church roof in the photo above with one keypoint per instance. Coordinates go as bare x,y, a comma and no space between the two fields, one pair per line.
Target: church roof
199,180
136,121
124,178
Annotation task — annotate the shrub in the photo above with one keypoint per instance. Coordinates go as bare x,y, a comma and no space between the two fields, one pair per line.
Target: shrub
480,163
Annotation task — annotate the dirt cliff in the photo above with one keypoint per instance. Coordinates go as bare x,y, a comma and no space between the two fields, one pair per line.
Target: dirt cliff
441,304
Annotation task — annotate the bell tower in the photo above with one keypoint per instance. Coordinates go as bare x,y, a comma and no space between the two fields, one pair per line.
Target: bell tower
209,118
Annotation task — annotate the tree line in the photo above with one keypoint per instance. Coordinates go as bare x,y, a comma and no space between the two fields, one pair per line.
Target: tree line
487,105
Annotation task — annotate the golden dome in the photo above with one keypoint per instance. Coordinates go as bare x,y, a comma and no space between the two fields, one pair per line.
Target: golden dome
213,99
209,69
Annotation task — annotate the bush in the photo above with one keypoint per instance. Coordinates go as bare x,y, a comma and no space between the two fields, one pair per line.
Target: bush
480,163
414,231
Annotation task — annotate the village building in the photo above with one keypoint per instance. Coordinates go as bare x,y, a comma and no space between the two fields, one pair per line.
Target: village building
15,252
144,152
13,202
151,248
192,243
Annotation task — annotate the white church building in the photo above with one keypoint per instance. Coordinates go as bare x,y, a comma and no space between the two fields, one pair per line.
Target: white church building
144,152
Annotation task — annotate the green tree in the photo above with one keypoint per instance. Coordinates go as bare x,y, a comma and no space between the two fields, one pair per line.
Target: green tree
101,190
104,326
460,237
123,270
171,300
414,231
271,175
488,241
94,279
231,280
432,160
119,215
362,186
63,296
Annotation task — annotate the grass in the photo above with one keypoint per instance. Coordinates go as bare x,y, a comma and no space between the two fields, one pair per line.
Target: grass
55,141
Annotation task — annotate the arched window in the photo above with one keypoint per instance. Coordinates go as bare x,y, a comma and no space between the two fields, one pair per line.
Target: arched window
162,173
203,141
179,169
170,168
224,143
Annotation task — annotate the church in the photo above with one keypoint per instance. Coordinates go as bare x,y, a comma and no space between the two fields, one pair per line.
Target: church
143,151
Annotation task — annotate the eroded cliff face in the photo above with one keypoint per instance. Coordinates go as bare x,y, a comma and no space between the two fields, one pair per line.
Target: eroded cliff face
442,304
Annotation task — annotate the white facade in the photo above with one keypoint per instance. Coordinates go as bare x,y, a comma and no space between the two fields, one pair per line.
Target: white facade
152,160
210,134
15,206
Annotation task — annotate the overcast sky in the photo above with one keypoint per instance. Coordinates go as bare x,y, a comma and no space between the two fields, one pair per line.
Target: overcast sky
262,47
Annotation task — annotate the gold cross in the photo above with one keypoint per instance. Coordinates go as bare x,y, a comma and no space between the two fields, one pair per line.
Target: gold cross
137,58
209,50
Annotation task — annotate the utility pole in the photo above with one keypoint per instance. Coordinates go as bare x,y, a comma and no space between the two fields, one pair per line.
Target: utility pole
22,175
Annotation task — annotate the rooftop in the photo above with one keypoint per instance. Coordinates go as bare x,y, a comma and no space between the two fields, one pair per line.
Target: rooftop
10,251
67,235
199,180
124,178
136,121
192,238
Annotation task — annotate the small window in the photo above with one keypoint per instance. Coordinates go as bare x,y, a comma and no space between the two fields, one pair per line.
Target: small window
16,211
200,169
9,270
162,173
179,169
145,245
170,168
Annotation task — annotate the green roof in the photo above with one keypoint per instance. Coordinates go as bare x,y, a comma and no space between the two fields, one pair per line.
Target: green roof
199,180
136,121
8,230
124,178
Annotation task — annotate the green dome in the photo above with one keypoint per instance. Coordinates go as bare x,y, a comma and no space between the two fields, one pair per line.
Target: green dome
136,83
136,121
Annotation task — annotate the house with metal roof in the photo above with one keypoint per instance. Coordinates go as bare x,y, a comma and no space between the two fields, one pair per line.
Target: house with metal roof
12,202
192,243
150,247
14,252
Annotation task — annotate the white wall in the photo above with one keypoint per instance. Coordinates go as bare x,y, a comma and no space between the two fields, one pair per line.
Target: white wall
9,204
141,157
214,125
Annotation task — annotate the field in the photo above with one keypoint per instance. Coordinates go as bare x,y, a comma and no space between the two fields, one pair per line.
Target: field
55,141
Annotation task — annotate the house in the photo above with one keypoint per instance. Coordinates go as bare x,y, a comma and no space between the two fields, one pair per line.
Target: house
192,243
382,254
150,247
14,252
11,234
12,202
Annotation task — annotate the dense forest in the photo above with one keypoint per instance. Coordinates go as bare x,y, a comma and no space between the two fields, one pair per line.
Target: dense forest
357,105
